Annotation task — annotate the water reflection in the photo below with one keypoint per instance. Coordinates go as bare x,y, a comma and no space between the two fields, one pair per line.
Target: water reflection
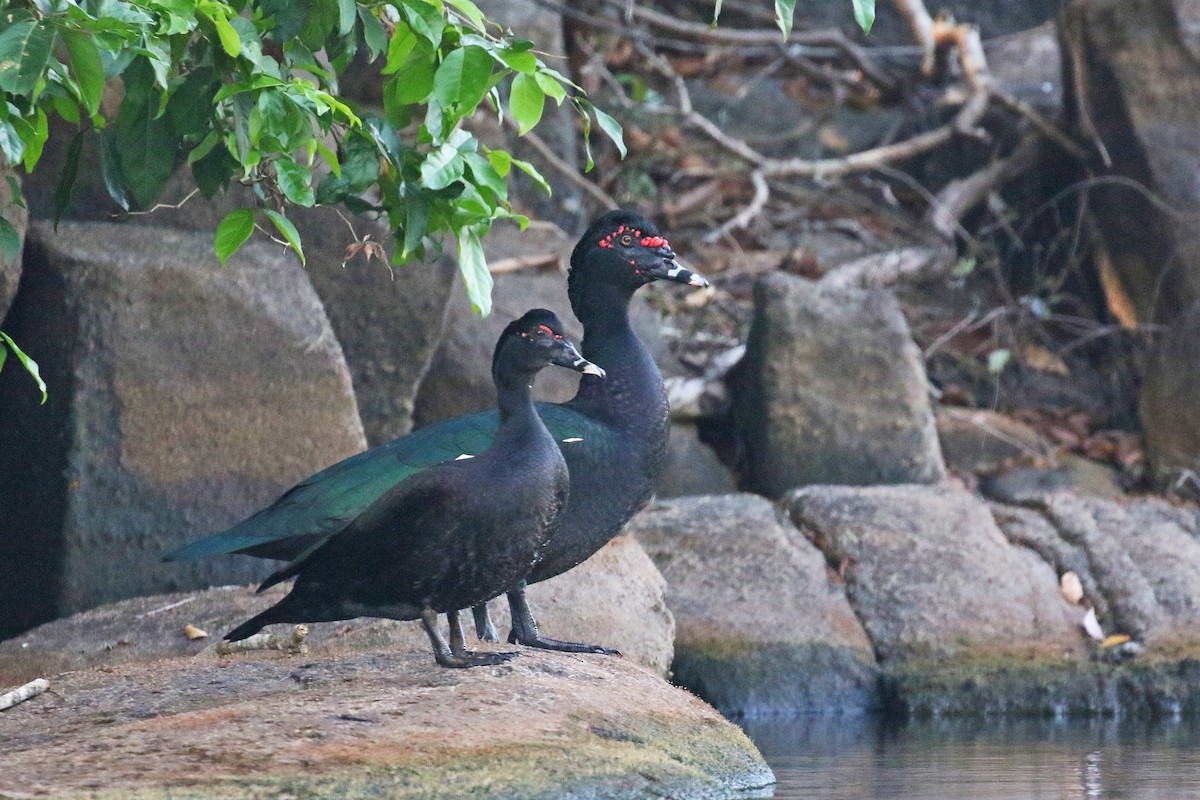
857,759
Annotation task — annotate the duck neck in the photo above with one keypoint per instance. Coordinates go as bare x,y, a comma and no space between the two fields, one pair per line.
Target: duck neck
633,385
514,399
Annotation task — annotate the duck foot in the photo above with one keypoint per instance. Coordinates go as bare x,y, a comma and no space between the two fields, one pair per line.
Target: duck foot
485,629
455,655
525,630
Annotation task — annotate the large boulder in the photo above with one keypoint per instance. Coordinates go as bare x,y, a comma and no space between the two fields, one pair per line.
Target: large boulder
692,467
762,628
1170,401
381,722
18,217
1134,82
1138,562
832,390
615,598
182,398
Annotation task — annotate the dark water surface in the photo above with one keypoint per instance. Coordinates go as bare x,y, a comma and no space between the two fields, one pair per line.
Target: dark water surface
857,759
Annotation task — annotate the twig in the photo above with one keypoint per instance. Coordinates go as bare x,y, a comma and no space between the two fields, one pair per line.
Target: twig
518,263
1044,126
960,196
160,206
921,24
762,193
563,168
891,267
26,692
292,643
168,607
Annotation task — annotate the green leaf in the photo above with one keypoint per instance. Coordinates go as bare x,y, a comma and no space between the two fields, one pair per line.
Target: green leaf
521,60
532,172
485,174
295,181
470,11
784,11
66,181
864,14
550,86
413,81
360,161
112,171
612,128
285,227
401,44
231,43
442,167
416,221
473,266
998,360
526,102
89,72
213,170
716,13
427,19
347,11
30,365
145,141
461,80
232,232
373,33
10,242
11,143
24,54
501,161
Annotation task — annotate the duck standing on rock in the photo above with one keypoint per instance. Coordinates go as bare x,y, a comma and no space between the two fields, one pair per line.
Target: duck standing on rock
453,535
613,434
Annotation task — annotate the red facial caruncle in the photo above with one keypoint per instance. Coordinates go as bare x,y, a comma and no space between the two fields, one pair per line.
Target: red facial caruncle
644,241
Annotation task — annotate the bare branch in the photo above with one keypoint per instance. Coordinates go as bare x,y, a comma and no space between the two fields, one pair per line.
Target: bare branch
921,24
762,193
563,168
960,196
26,692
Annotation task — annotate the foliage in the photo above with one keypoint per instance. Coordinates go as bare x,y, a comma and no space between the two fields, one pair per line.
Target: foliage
6,344
246,91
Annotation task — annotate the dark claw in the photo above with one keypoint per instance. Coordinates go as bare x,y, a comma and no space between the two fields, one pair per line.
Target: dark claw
546,643
485,629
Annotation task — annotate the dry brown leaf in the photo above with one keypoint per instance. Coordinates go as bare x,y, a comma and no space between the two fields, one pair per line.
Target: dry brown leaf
1041,359
193,633
832,139
1115,639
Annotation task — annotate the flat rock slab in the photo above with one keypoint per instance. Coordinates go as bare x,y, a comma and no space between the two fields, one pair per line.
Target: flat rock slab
382,723
761,627
832,390
615,598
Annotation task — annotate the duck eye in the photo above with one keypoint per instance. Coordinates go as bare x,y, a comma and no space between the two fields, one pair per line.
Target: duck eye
627,240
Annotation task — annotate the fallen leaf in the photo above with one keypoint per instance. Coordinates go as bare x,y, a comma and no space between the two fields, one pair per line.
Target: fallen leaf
1041,359
1115,639
193,633
1092,625
1071,587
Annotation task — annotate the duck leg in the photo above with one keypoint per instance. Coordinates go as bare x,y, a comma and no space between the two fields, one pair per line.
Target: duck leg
485,629
455,655
525,630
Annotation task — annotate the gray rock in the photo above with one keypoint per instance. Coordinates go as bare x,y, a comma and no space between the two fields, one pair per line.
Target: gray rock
614,598
182,397
932,577
1170,401
1133,79
18,217
353,723
761,627
832,390
1139,562
692,466
978,441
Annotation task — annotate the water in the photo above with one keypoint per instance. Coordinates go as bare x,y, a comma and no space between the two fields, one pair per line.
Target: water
857,759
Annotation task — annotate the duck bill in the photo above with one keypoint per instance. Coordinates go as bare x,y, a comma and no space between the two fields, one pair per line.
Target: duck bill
567,356
669,270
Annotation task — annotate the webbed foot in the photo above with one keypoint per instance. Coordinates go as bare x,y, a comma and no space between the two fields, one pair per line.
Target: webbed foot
472,658
525,630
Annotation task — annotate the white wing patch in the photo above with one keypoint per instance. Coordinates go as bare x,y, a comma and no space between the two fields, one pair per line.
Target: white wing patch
464,457
571,439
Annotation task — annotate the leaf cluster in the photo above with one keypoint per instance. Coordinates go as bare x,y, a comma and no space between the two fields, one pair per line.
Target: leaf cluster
246,91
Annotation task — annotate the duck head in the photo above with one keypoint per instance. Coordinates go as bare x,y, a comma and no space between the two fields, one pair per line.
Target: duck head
624,249
537,340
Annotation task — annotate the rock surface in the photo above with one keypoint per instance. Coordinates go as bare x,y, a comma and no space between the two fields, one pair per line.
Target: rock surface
173,410
692,466
18,217
347,723
978,441
614,598
867,420
1139,562
932,577
761,627
1129,61
1170,400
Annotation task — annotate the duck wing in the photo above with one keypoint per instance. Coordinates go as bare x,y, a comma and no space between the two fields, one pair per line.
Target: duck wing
305,516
